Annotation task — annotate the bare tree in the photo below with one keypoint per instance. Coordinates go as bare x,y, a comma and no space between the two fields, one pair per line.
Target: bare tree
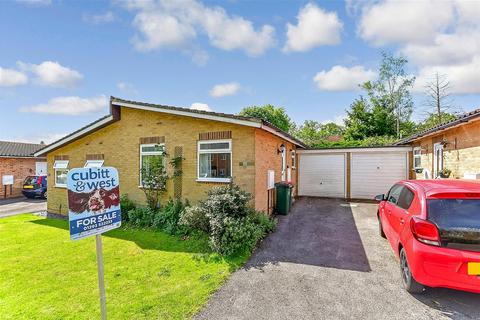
439,101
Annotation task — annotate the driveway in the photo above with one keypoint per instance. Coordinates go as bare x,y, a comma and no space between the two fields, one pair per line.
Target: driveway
327,261
11,207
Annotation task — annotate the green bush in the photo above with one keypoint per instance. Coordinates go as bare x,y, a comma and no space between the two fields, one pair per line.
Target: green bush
194,218
168,217
126,205
142,216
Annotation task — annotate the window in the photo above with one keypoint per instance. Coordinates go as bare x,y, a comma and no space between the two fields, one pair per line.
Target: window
394,194
215,160
284,161
294,159
417,157
406,198
148,152
61,171
93,163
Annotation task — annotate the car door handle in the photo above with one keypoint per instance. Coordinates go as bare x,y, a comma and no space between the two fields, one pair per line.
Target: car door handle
402,221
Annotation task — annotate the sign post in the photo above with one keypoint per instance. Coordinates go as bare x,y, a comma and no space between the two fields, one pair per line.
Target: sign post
94,208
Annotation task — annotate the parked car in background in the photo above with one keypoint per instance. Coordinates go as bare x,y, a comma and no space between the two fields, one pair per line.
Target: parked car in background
433,227
35,187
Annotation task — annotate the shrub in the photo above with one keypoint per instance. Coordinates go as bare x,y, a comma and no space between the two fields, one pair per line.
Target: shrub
142,216
168,217
126,205
194,218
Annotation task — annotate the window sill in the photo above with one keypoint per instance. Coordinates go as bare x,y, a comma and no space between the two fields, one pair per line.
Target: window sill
214,180
60,186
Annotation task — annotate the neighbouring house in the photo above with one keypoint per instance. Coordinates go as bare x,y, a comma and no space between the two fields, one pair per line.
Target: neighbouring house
215,148
16,163
454,145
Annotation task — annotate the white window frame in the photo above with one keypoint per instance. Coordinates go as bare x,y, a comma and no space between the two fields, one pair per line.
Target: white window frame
149,153
419,156
93,163
294,159
209,151
60,165
284,162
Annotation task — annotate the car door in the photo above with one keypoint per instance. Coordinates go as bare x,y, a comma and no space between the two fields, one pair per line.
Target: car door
399,215
390,205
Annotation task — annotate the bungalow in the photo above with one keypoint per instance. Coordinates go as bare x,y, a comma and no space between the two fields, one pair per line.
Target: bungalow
215,148
452,146
16,163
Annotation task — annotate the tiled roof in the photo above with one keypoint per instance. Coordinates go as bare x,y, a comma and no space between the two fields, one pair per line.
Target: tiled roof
18,149
464,118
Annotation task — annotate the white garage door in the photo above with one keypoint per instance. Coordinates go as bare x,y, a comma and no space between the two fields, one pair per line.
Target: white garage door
375,173
322,175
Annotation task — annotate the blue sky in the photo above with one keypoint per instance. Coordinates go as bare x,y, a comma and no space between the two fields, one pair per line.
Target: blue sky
61,60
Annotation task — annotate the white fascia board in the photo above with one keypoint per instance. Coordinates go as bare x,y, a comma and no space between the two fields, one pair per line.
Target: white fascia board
74,136
356,150
190,114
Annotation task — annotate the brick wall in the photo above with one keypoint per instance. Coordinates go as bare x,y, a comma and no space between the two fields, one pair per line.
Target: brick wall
119,143
20,168
267,158
461,154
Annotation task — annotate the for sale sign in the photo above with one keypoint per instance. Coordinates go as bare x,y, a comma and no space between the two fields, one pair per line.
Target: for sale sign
93,201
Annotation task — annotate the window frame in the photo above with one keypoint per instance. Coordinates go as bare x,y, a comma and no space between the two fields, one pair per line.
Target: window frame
148,153
60,165
294,159
419,156
210,151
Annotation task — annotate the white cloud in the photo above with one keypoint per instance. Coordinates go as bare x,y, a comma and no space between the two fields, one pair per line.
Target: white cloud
126,88
52,74
463,78
340,78
47,138
315,27
393,21
225,89
36,2
200,106
174,24
106,17
12,78
339,120
72,105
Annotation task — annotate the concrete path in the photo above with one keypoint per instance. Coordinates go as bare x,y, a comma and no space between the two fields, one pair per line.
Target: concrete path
327,261
11,207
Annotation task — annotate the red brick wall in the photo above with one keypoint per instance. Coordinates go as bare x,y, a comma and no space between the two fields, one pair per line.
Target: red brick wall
20,168
267,158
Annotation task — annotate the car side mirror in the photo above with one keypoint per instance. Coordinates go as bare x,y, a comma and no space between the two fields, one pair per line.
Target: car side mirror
380,197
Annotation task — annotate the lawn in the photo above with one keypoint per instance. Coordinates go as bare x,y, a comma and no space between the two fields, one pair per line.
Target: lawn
148,274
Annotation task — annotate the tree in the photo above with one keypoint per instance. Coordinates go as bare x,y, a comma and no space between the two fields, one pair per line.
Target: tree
314,133
433,120
154,180
438,101
274,115
392,89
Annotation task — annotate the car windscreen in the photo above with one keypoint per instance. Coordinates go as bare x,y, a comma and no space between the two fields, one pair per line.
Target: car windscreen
458,220
30,181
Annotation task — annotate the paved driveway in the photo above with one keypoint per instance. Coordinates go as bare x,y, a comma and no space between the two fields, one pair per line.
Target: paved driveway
11,207
326,261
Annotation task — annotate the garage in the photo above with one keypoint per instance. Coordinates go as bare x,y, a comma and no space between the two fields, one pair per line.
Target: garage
354,173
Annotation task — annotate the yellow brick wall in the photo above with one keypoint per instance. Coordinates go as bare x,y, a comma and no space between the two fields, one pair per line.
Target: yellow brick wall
461,154
267,158
119,142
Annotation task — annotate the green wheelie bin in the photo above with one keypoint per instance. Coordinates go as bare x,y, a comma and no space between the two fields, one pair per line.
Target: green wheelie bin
283,201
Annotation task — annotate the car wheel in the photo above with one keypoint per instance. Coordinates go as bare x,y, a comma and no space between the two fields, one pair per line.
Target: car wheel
380,228
409,283
44,195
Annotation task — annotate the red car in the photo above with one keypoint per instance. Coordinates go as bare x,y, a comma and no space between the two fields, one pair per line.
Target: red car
433,227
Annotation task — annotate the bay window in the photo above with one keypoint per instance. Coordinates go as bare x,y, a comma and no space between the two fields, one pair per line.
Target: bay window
214,160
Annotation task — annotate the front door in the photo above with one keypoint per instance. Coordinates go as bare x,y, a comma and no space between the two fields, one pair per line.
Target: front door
437,159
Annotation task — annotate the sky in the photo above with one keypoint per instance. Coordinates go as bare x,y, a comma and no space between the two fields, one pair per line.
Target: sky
60,61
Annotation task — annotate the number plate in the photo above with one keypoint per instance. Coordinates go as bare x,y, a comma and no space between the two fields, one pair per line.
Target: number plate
473,268
27,187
